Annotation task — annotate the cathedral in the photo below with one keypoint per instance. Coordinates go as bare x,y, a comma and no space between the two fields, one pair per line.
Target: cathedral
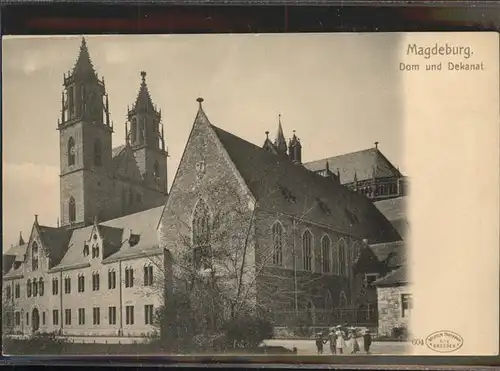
296,228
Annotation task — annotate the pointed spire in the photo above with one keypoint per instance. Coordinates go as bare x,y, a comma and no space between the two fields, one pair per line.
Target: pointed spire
83,65
21,240
327,166
143,100
126,133
36,219
376,145
280,141
355,177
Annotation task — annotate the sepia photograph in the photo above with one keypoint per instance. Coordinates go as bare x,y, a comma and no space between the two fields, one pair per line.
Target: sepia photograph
237,195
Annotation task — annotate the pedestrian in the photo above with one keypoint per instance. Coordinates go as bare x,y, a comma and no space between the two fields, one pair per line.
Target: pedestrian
319,343
353,341
367,341
340,340
332,337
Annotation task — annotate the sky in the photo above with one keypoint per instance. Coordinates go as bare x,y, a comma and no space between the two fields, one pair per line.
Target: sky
340,92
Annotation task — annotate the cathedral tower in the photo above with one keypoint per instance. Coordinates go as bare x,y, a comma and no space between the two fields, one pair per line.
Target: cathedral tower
85,143
147,140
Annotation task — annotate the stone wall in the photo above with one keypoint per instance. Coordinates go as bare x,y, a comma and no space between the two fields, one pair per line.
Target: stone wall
390,311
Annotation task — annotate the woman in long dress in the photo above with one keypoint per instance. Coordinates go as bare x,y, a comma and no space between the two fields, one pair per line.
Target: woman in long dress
340,340
354,341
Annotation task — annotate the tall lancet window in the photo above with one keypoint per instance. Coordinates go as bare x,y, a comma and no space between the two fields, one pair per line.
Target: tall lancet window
71,151
325,254
277,243
342,257
307,251
157,169
34,256
142,131
201,235
97,153
72,210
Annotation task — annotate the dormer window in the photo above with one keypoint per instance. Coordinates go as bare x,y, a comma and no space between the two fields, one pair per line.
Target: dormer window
86,250
287,194
95,251
134,239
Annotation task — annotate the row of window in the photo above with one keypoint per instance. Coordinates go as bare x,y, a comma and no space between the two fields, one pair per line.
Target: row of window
96,283
327,266
35,287
17,291
380,190
96,316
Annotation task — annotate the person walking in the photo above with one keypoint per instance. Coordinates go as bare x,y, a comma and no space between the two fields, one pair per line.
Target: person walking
319,343
332,337
340,340
367,341
353,341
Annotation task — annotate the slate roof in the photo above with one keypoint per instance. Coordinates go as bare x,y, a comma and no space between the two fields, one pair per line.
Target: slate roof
281,186
74,254
117,150
395,211
395,278
12,259
143,224
7,261
55,242
364,164
394,254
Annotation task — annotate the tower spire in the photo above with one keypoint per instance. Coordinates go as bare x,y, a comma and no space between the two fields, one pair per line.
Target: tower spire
143,101
83,66
280,141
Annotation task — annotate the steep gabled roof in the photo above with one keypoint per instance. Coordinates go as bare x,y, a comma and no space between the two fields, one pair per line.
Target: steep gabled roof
395,211
281,186
365,165
125,163
55,242
395,278
112,239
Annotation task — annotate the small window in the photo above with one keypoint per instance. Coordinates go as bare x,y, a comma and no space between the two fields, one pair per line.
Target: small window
95,251
111,279
148,275
55,286
95,282
129,315
326,254
96,316
18,318
17,291
86,249
81,283
129,277
369,279
156,171
67,285
71,151
67,316
148,314
112,315
8,292
55,317
35,287
406,305
28,288
81,316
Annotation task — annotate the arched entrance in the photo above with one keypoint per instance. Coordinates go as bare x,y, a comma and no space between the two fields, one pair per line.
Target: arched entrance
35,320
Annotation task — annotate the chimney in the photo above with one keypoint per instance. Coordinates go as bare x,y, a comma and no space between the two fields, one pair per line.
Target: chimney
376,145
36,218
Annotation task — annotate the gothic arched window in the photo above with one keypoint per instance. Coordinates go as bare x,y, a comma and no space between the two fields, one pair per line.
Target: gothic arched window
156,169
35,287
28,288
142,131
328,301
72,210
34,256
307,251
277,243
201,234
71,151
97,153
325,254
342,257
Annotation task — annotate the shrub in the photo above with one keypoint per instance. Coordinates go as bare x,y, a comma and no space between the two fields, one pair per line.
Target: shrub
247,331
300,325
39,343
400,333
